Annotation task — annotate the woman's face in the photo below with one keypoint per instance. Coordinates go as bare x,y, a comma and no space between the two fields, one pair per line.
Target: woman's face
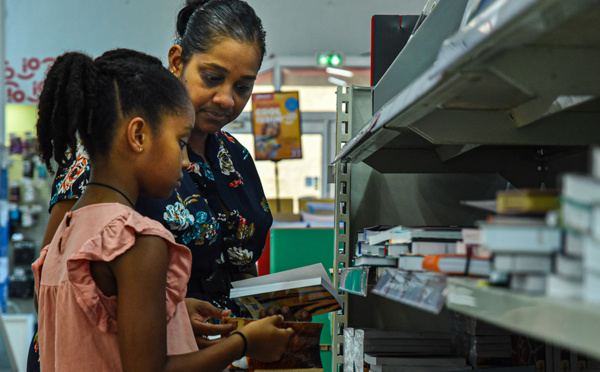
219,82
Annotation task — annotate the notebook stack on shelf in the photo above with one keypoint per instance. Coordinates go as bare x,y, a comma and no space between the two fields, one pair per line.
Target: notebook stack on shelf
399,363
523,239
483,344
577,266
413,346
402,246
403,342
372,252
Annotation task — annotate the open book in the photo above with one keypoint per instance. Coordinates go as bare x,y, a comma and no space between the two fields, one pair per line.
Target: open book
306,288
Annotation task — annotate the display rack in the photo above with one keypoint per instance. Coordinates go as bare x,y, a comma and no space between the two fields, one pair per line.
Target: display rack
513,76
570,324
514,93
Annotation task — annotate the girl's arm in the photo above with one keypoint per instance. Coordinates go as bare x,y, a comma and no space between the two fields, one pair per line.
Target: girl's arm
141,281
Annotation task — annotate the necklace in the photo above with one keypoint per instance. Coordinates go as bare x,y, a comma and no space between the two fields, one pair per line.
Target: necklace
112,188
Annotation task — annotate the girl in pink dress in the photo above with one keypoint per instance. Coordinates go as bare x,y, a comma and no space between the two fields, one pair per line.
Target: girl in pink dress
111,284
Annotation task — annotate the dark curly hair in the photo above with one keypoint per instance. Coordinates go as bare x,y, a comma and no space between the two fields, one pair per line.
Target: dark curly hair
83,98
201,22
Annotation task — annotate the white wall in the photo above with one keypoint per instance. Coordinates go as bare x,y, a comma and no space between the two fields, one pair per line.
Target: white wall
39,30
294,27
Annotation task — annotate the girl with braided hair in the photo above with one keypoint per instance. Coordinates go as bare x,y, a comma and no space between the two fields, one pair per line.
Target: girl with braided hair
111,283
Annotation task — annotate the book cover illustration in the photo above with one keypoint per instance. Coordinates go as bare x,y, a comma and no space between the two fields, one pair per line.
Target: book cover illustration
303,352
308,288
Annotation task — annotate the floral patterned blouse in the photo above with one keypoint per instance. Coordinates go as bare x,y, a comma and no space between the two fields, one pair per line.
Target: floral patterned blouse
220,213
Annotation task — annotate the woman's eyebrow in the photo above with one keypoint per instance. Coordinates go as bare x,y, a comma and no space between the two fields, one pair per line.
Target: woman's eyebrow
225,71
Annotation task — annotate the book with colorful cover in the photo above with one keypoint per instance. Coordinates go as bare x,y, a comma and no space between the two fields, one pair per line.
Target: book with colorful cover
458,264
307,288
303,352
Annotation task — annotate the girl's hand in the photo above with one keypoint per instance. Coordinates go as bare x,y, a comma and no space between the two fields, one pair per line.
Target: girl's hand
201,312
266,342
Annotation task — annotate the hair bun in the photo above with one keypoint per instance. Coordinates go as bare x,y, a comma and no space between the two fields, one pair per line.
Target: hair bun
186,12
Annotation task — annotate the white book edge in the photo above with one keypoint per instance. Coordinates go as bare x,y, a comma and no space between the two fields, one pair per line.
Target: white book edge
306,272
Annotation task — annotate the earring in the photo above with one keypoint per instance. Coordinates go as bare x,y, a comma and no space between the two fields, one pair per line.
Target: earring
173,72
140,149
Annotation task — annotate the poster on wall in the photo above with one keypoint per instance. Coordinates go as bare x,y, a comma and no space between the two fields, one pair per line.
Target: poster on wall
276,126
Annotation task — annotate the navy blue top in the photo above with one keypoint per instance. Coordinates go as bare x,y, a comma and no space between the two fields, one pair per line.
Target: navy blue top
220,213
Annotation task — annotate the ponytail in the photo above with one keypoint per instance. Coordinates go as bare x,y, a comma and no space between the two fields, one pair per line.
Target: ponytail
65,104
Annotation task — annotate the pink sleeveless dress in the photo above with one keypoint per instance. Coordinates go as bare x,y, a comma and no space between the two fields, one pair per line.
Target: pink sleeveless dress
77,322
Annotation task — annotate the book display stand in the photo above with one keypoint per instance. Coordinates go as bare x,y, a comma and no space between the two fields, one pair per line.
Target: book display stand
511,96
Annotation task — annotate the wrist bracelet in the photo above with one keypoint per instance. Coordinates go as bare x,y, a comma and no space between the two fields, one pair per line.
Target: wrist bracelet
245,342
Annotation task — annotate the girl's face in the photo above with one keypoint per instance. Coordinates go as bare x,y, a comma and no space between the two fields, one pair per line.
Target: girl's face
219,82
168,154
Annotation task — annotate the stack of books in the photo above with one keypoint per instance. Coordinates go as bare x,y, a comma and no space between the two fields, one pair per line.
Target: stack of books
483,344
523,239
399,363
408,347
577,274
404,247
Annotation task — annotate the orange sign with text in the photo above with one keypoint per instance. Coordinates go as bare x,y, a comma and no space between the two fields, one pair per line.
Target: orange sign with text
276,126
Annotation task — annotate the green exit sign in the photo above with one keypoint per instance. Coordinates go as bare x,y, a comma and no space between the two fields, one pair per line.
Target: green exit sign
329,59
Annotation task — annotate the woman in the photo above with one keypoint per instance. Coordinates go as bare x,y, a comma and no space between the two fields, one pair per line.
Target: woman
220,212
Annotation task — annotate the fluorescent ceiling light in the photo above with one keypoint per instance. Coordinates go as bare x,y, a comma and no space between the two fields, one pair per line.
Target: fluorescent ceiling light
339,71
336,81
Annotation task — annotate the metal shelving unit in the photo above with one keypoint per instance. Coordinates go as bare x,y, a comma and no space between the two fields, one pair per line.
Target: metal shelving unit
516,93
512,77
572,325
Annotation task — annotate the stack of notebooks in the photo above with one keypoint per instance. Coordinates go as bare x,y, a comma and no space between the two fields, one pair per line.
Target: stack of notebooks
483,344
399,246
403,350
399,363
577,266
523,239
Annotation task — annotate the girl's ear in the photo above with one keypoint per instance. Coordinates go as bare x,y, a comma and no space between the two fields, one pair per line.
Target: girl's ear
138,134
175,62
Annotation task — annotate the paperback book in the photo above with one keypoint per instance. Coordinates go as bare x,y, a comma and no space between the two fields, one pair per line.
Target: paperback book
522,263
403,360
308,288
411,234
526,201
375,261
455,264
411,262
521,238
432,247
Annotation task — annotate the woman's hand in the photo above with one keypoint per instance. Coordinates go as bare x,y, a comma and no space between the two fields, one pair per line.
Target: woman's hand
200,313
288,316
